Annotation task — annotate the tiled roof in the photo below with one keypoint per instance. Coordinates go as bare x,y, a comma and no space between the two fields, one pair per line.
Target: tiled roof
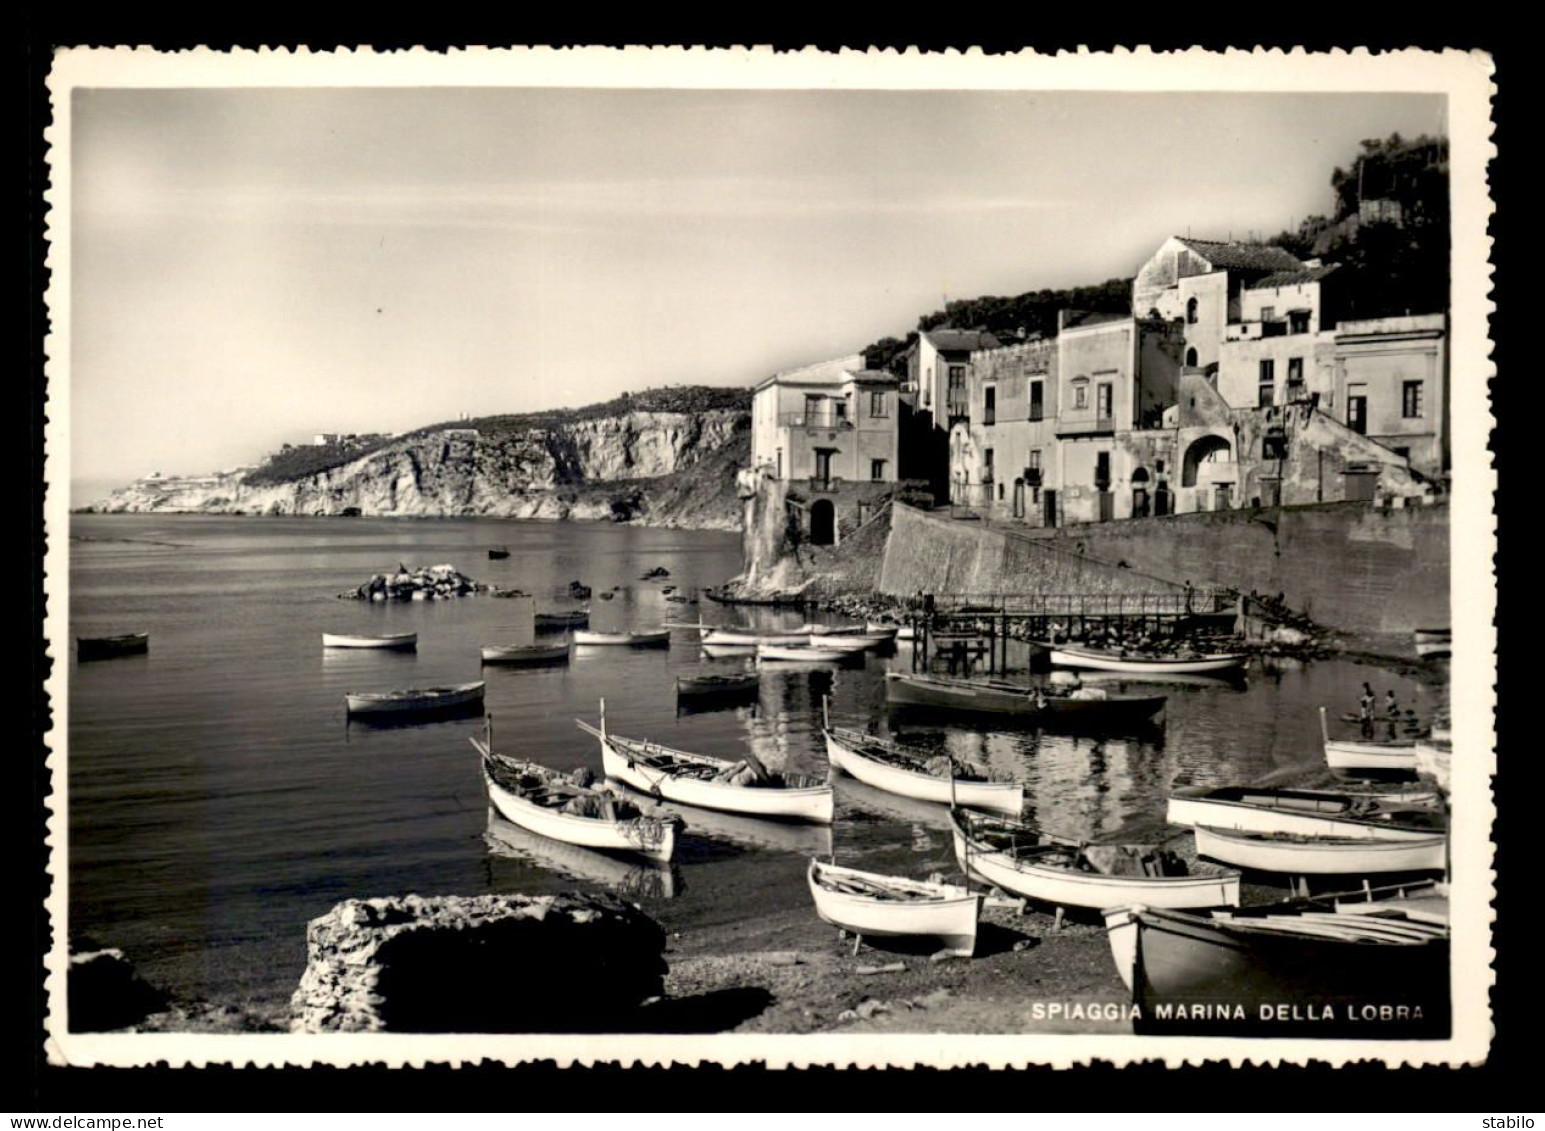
1293,278
1243,256
872,375
945,338
1072,319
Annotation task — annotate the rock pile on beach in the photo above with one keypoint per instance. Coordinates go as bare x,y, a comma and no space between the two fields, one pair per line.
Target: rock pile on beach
478,964
423,584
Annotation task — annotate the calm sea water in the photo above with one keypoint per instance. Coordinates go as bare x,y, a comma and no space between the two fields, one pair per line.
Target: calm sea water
219,799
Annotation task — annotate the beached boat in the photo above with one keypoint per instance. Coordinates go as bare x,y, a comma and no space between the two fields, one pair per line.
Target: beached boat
1018,858
553,805
749,638
906,771
1272,971
1304,812
738,685
868,903
1360,756
1294,854
1090,705
1219,663
629,876
402,641
107,647
659,639
561,622
529,654
415,700
801,653
709,782
497,553
798,838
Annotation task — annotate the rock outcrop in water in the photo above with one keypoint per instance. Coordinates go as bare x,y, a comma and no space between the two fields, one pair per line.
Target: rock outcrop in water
478,964
107,993
656,468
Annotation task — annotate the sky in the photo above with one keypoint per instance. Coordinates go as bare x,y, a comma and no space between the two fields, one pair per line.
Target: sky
253,266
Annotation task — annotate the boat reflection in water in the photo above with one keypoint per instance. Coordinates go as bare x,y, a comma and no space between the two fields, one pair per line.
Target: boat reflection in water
626,876
753,832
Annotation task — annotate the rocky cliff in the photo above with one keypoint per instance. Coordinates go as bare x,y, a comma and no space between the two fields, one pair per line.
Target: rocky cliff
658,468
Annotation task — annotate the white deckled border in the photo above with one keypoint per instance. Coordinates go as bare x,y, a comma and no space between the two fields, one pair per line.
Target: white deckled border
1465,77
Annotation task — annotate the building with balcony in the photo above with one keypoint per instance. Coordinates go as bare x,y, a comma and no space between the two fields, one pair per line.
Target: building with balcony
827,423
940,369
1282,349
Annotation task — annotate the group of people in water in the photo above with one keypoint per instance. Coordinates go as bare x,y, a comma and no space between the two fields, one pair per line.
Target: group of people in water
1392,717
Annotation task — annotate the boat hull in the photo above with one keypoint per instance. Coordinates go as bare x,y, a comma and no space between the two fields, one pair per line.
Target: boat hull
981,698
1329,856
1389,757
814,805
629,875
1433,763
587,832
951,917
525,654
1192,974
1061,887
401,641
108,647
996,797
694,687
623,639
732,638
801,654
427,702
1104,662
1312,814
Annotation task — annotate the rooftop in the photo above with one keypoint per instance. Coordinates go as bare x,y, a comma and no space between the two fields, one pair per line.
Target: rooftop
1292,278
1231,256
947,338
832,372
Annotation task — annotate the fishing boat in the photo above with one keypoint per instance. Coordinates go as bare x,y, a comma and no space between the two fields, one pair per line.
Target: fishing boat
712,783
561,622
415,700
551,804
1092,705
801,653
737,685
868,903
629,876
1432,643
1295,854
798,838
107,647
497,553
749,638
851,645
894,631
1304,812
833,629
1359,756
906,771
1022,859
1218,663
1265,969
661,639
528,654
400,641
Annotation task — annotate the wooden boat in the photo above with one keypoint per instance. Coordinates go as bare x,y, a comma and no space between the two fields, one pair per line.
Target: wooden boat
833,629
1433,635
107,647
798,838
718,596
529,654
534,797
416,700
561,622
1298,855
497,553
851,645
894,631
1273,971
395,640
729,651
1432,763
868,903
801,653
661,639
737,685
748,638
629,876
702,780
1066,656
901,770
1303,812
1350,755
998,698
1018,858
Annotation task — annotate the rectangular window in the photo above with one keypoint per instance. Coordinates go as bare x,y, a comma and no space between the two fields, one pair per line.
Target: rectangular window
877,404
1037,400
877,470
990,404
1102,471
1103,399
1267,394
987,458
815,409
957,376
842,409
1035,459
1298,322
1080,394
1295,371
1268,314
1411,400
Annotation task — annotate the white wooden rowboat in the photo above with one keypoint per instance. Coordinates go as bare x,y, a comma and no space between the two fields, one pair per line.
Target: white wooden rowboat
897,769
624,639
888,631
1321,856
846,644
396,640
1351,755
868,903
1304,812
1014,857
748,638
532,796
526,653
414,700
832,629
1093,660
677,775
800,653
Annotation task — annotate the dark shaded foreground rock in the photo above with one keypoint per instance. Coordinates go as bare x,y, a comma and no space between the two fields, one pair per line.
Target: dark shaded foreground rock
106,992
478,964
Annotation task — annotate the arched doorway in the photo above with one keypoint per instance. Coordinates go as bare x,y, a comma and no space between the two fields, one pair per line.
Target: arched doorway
823,523
1191,357
1204,449
1140,504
